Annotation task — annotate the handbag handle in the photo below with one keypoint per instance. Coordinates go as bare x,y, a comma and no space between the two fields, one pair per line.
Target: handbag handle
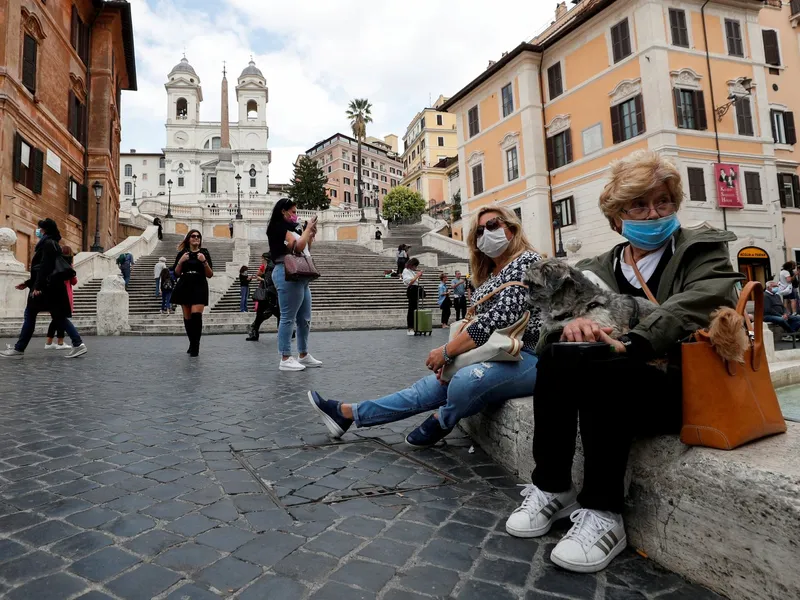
756,289
642,282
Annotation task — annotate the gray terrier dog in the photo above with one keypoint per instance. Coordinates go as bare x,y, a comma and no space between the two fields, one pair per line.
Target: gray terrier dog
563,294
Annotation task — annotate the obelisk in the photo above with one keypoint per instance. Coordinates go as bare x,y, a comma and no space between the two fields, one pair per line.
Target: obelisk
225,168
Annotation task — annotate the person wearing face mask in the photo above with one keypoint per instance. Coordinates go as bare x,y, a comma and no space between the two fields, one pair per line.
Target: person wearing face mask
500,254
618,394
285,235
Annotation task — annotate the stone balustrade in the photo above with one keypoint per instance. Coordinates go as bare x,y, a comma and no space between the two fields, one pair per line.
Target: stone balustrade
445,244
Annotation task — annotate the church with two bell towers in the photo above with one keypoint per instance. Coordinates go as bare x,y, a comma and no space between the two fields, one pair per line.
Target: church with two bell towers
203,158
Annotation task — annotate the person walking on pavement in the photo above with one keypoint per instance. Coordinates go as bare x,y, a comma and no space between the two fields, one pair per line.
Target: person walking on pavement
160,266
411,278
125,262
167,286
47,292
269,305
66,251
444,300
460,296
193,268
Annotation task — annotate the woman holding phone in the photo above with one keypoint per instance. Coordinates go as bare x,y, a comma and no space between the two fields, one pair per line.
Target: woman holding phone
286,236
193,268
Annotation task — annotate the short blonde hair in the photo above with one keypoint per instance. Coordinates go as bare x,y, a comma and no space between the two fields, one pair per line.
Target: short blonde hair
480,264
633,177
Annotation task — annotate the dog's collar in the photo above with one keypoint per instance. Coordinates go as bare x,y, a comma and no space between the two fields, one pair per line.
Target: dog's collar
634,320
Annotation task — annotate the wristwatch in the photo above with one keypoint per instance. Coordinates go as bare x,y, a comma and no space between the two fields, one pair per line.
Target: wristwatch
625,341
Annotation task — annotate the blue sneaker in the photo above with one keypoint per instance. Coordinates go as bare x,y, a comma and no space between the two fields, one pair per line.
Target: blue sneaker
329,409
428,434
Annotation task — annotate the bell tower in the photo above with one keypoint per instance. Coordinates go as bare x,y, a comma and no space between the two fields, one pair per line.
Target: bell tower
252,96
184,95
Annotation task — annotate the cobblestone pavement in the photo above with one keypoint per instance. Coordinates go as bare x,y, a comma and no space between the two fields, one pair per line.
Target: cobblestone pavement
134,473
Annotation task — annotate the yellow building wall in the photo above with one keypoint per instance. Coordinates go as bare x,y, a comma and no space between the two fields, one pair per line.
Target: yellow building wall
497,196
222,231
716,35
181,228
791,231
493,155
586,62
595,164
347,233
435,189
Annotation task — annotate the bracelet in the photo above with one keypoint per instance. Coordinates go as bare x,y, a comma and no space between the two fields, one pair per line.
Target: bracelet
448,360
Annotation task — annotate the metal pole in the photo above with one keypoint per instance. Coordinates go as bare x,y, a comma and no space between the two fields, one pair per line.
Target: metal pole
134,191
169,199
238,200
96,247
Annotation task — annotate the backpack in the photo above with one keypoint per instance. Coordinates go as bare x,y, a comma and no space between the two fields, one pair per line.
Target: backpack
167,285
121,259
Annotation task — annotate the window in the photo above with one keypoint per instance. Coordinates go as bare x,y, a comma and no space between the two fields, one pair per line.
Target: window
627,119
162,179
180,181
252,182
783,130
733,33
677,24
559,150
752,184
77,196
621,40
772,52
252,110
477,180
789,188
28,164
508,99
413,154
144,176
564,211
346,180
161,162
347,197
518,212
128,170
29,49
216,142
393,182
555,81
333,193
439,120
422,123
181,108
76,119
212,184
383,191
79,36
330,169
697,185
472,118
512,164
690,109
128,188
744,116
440,141
372,164
383,178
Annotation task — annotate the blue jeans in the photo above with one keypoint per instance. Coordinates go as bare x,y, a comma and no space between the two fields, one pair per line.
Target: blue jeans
165,298
294,299
244,294
29,324
472,389
126,274
158,286
790,325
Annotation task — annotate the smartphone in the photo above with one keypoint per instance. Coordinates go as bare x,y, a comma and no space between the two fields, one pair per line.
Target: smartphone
577,350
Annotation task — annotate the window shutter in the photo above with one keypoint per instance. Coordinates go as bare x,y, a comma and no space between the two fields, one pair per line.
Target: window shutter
781,193
71,114
83,202
38,169
639,104
626,39
676,93
616,43
788,125
84,124
85,42
17,157
75,28
772,123
568,144
744,117
700,111
29,63
616,125
796,186
551,154
771,52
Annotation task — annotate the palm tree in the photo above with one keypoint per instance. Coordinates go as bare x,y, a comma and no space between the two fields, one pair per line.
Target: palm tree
359,111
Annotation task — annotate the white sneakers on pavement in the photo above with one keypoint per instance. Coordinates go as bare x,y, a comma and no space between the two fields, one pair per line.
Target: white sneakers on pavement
309,362
410,332
539,511
596,537
77,351
11,353
291,364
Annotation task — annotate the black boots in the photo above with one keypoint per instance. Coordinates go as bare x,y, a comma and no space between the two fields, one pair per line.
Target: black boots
252,334
194,329
187,325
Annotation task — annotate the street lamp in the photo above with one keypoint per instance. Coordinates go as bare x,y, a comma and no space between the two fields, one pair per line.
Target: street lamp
134,190
560,252
169,199
733,98
377,209
97,188
361,201
238,196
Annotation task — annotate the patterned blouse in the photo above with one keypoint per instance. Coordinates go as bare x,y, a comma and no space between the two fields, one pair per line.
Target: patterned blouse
506,307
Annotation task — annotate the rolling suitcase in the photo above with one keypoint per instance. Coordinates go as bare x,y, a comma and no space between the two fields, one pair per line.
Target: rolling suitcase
423,319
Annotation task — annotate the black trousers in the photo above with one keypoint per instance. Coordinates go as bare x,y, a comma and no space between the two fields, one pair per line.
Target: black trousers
412,293
615,398
265,310
446,305
460,305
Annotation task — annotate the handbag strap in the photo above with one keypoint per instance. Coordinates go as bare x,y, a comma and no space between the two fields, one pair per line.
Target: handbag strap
642,282
471,310
755,289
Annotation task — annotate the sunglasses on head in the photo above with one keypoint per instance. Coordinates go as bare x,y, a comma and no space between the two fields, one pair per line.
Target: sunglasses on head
490,225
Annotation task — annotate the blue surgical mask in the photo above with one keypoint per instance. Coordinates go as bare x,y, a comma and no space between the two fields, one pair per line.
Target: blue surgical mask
39,233
650,234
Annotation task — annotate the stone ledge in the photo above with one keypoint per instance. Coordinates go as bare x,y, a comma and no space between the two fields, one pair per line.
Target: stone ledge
727,520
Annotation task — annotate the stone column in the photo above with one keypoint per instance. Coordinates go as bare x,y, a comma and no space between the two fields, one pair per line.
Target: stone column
12,273
168,225
112,307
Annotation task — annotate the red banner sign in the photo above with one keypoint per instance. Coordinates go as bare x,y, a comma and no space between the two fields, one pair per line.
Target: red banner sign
728,185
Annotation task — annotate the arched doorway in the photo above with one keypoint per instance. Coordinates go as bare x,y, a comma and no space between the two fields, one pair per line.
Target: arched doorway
754,263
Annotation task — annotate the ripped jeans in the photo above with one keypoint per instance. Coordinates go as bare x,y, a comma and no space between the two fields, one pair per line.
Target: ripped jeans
472,389
294,300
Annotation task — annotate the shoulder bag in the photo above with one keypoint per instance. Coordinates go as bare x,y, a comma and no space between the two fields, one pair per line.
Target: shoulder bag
62,270
726,405
504,345
300,267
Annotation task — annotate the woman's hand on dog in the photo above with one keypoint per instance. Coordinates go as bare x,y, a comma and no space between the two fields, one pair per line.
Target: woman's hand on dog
586,330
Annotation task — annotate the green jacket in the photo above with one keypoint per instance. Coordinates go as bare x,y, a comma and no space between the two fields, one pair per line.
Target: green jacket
698,279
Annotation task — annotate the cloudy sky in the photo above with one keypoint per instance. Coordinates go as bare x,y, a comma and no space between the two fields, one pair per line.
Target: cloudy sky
317,55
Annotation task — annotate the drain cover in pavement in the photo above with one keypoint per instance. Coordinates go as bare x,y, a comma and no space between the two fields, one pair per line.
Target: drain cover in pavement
337,472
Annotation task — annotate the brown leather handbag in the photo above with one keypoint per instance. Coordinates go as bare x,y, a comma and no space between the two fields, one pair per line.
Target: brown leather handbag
726,405
300,267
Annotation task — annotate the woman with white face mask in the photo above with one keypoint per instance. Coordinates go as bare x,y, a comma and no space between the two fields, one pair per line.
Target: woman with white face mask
499,254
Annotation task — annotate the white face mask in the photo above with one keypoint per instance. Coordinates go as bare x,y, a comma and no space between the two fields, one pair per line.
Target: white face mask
493,243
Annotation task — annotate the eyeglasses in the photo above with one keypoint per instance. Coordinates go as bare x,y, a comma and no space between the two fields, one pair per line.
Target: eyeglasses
664,209
491,225
195,235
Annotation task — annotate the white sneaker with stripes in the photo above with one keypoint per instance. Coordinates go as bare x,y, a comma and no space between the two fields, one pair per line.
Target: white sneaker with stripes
539,511
595,538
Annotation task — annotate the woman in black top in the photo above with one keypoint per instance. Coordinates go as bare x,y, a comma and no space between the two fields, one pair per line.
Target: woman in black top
244,288
193,268
47,292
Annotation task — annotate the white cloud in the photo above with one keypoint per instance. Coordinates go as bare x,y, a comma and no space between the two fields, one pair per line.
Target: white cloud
317,56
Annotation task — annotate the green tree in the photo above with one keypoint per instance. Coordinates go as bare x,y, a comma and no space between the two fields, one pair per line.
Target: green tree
455,212
402,203
307,187
359,111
